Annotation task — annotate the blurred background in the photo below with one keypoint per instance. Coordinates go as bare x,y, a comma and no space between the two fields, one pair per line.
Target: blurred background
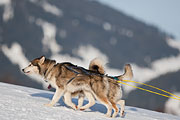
143,33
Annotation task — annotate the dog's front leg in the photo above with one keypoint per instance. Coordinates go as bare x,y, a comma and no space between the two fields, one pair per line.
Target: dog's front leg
56,97
68,101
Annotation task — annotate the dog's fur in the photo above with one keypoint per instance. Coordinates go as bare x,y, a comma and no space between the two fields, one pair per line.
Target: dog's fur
92,85
114,92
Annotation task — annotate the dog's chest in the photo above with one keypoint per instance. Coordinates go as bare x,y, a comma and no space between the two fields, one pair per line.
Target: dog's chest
52,81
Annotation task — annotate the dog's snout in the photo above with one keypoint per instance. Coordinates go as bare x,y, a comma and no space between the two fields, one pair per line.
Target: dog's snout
23,70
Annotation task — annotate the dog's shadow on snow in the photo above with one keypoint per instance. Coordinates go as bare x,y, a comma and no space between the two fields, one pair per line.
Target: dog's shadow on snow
95,108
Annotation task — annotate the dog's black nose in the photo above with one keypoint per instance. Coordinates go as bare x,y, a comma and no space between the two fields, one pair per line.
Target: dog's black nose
23,70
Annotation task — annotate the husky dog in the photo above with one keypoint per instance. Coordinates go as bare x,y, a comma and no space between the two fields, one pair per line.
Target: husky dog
67,80
114,91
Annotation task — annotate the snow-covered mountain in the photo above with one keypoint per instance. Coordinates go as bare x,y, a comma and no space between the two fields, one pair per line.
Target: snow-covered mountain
22,103
80,30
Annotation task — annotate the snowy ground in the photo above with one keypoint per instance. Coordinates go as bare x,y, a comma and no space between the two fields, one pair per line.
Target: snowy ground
22,103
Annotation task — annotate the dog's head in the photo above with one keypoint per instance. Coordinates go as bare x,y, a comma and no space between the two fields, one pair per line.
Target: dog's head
34,66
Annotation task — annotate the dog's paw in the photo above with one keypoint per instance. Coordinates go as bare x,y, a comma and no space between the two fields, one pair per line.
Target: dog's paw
122,114
48,105
75,107
81,108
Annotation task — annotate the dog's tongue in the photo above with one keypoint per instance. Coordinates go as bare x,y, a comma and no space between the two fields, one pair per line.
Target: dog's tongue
49,86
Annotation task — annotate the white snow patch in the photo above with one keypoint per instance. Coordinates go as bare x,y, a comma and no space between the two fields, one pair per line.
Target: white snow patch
17,57
15,54
126,32
174,43
22,103
107,26
52,9
172,106
49,39
4,2
8,10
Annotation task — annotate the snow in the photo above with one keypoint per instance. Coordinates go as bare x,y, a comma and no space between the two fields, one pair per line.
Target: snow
15,49
107,26
49,40
49,8
20,59
172,106
52,9
8,10
22,103
126,32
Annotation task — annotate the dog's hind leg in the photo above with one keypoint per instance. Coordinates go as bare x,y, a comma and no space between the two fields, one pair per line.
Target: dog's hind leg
122,104
80,101
91,100
116,109
68,101
56,97
104,100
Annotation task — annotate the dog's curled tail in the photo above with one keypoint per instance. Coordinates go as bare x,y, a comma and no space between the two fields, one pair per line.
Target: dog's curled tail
97,66
128,73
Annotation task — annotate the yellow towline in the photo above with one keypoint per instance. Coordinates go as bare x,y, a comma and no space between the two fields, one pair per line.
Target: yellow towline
122,82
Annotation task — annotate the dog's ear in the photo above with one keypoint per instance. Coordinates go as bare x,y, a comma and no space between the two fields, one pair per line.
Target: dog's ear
42,59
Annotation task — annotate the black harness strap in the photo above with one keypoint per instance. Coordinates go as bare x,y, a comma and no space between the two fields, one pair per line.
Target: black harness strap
85,72
69,68
72,79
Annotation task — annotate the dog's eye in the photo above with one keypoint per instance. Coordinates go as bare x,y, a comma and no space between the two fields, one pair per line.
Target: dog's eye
30,65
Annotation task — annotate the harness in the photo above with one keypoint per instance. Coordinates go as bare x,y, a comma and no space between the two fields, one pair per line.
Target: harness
114,77
84,71
77,73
